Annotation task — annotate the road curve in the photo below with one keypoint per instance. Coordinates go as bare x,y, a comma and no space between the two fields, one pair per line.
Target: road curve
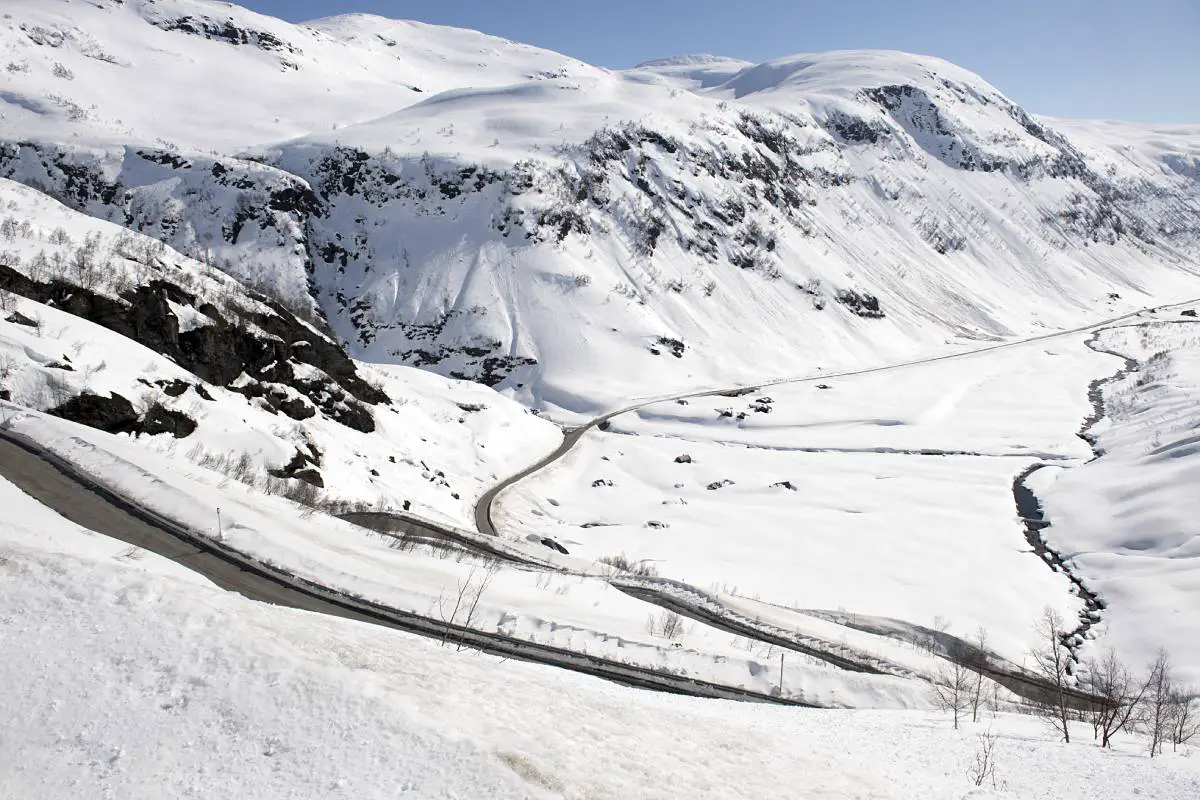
484,508
61,487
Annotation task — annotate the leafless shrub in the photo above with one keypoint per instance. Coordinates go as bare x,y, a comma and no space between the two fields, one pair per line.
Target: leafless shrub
298,491
624,564
668,624
56,393
39,267
1052,661
463,608
60,70
10,258
58,266
240,467
628,292
983,769
131,553
978,661
1185,716
8,301
337,507
1156,716
59,236
1117,696
87,265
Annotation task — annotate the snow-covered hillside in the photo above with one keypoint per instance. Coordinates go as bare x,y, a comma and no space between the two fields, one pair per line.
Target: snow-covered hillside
136,339
887,494
842,328
127,676
1128,518
579,236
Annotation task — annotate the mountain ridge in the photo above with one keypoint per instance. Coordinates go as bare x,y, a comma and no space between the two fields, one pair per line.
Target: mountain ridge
459,197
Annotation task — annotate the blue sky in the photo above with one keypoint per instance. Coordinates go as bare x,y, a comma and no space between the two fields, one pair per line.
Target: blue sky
1074,58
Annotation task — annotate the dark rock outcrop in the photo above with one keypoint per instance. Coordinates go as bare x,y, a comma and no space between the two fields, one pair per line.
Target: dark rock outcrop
221,352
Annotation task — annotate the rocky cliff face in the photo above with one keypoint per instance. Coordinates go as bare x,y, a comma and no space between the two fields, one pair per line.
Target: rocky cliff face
768,218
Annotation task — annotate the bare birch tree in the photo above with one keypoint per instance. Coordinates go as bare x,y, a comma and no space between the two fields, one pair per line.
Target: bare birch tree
979,664
953,685
1052,661
1116,696
1156,710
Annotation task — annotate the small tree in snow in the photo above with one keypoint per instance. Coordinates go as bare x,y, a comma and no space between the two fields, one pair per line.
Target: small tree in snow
978,651
1157,710
463,608
1185,716
953,686
983,769
1116,696
1052,660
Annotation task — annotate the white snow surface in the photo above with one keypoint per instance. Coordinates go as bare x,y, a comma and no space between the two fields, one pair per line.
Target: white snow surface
890,494
321,75
578,611
582,238
743,211
438,438
1128,519
127,676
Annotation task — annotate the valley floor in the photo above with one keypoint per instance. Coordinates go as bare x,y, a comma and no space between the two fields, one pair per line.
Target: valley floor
312,320
891,494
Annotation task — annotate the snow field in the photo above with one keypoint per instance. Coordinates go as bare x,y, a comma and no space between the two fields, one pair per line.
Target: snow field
570,611
194,692
887,494
438,446
1127,519
435,238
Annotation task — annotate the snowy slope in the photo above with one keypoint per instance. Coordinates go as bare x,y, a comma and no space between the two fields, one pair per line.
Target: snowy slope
145,72
887,494
579,236
125,676
419,441
1128,518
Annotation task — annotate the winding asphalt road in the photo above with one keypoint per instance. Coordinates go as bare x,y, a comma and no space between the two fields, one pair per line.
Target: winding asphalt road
484,520
58,485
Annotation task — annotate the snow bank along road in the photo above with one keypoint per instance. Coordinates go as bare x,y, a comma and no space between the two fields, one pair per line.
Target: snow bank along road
56,484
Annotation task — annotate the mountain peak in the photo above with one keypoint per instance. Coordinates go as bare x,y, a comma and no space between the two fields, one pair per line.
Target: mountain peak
847,71
690,60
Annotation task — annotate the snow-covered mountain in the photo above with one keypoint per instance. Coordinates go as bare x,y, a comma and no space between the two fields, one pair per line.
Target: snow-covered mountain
578,236
245,266
119,332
